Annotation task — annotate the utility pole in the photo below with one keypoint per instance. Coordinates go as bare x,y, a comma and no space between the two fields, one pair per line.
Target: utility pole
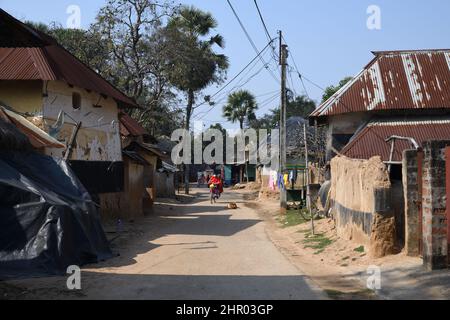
283,63
308,190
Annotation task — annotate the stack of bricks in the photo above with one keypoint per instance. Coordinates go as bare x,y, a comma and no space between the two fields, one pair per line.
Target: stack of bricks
435,247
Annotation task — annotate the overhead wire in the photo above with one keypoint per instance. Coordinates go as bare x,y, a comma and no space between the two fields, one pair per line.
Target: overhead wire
249,38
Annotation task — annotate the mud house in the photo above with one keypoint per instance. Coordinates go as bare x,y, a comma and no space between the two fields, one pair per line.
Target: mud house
398,102
142,164
65,98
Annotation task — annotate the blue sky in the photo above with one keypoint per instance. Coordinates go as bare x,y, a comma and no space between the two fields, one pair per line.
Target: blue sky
328,39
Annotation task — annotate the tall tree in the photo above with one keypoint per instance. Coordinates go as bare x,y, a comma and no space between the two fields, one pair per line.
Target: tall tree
240,108
86,45
194,65
131,32
125,46
331,90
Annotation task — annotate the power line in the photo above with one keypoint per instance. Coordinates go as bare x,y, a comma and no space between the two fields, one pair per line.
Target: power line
301,76
234,78
262,19
251,40
275,55
269,100
271,94
339,101
240,83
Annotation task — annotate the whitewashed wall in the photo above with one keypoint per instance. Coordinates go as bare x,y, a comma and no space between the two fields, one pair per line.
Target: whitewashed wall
99,137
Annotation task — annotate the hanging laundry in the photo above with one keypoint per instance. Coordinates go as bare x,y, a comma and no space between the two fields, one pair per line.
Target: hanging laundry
293,177
286,179
271,183
280,182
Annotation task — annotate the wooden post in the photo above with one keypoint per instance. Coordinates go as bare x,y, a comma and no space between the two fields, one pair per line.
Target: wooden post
308,191
72,141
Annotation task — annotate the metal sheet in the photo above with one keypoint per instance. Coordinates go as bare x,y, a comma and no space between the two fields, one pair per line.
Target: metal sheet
47,60
395,80
371,141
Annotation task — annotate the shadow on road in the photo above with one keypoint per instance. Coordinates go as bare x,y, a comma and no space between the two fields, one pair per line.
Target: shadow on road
101,286
193,219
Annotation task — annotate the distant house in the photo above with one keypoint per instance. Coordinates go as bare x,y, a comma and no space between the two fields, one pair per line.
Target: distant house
399,93
57,92
377,124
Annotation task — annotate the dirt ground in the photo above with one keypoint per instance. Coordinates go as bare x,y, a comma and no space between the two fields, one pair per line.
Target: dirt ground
190,249
341,267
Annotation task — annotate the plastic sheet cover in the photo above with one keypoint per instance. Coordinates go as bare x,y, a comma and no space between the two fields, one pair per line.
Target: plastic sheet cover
47,218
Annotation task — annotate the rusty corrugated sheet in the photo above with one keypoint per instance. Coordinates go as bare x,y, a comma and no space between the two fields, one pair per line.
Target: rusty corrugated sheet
129,126
50,61
395,80
24,64
38,138
371,141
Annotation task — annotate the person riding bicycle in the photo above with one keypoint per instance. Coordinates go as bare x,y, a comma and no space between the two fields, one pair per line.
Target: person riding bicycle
216,181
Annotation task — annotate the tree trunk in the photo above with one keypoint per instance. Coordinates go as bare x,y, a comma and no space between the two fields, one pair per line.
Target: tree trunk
187,166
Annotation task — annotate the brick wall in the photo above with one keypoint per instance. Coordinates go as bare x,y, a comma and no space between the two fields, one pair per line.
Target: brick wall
411,196
434,228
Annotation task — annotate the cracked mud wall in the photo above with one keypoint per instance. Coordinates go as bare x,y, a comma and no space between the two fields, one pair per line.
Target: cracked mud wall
361,203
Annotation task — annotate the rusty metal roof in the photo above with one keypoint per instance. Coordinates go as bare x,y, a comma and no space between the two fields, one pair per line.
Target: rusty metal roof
371,141
395,80
130,127
47,60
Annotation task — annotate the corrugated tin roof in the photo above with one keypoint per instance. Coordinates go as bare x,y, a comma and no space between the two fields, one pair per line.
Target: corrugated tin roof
136,157
129,126
47,60
395,80
38,138
371,141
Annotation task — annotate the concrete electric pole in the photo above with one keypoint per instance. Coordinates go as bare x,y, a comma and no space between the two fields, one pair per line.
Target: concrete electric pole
283,63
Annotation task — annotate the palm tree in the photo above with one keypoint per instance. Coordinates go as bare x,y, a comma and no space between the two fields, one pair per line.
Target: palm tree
240,108
194,63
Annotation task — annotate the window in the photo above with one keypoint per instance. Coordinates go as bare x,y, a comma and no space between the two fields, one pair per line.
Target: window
76,100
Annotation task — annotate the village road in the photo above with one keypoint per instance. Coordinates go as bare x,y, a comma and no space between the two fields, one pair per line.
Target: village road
191,251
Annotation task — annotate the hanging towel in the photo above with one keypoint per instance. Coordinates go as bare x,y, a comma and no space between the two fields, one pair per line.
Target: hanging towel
271,183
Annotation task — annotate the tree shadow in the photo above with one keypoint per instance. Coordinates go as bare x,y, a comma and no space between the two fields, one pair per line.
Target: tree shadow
102,286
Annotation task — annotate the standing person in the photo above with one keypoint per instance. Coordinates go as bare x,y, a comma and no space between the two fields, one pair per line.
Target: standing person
199,179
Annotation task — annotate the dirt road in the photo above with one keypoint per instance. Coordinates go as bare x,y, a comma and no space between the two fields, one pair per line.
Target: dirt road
188,251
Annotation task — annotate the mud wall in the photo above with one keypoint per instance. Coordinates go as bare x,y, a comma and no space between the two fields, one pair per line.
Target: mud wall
99,136
360,200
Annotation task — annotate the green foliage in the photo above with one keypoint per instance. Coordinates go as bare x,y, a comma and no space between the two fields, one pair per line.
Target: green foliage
85,45
359,249
299,106
241,107
193,62
317,242
149,49
331,90
292,218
